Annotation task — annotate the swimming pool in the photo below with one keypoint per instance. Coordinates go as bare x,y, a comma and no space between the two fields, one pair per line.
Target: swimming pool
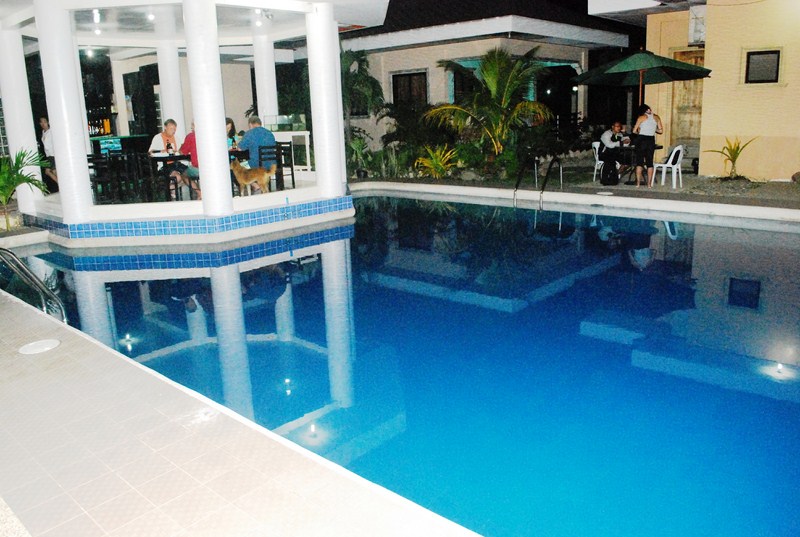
520,372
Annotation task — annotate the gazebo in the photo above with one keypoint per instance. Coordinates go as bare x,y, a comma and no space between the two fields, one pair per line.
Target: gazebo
200,29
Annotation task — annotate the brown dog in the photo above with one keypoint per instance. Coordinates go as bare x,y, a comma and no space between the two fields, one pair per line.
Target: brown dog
245,176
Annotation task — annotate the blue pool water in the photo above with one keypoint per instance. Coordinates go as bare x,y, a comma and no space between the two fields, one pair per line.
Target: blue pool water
510,370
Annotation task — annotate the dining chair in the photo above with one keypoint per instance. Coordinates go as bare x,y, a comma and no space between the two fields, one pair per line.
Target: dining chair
598,164
100,178
673,163
285,161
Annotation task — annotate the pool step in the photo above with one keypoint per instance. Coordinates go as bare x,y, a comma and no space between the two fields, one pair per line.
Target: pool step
621,328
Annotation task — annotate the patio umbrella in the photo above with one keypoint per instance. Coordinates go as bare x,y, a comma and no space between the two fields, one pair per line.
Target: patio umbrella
641,68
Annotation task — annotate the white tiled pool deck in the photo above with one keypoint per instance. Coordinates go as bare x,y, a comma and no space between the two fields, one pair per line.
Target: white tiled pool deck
93,444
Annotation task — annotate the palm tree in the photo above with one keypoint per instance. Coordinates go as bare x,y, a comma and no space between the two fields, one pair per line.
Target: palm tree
13,175
498,105
359,87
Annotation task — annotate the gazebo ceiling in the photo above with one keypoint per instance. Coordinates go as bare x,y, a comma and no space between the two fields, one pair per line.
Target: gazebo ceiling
124,24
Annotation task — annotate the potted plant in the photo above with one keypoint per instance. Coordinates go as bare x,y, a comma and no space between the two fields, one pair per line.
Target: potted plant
13,175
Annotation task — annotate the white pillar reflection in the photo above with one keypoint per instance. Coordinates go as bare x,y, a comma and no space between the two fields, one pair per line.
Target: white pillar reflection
226,291
94,309
284,314
337,287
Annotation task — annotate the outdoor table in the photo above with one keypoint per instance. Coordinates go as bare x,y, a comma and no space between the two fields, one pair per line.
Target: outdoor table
628,153
164,159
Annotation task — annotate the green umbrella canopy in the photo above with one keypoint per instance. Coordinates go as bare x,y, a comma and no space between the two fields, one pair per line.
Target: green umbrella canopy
641,68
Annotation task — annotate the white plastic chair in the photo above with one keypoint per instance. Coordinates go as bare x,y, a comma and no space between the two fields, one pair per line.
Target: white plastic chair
598,164
673,163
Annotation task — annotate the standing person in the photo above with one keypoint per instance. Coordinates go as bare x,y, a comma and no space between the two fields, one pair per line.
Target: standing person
647,126
165,142
256,137
611,142
191,176
49,153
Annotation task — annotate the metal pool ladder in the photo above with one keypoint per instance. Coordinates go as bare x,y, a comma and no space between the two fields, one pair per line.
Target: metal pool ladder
49,301
553,162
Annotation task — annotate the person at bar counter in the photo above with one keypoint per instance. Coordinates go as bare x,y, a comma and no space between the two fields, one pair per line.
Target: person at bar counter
165,142
611,143
191,176
647,126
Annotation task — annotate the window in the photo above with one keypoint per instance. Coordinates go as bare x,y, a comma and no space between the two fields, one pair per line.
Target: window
410,88
763,66
463,85
744,293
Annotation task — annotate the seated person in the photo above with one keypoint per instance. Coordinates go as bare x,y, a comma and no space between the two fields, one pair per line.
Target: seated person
256,137
191,175
610,153
165,142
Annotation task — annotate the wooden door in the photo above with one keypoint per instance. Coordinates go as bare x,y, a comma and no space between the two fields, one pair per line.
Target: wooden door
687,98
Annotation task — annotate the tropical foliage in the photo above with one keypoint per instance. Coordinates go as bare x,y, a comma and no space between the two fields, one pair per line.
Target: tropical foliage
498,106
360,90
438,162
732,150
13,175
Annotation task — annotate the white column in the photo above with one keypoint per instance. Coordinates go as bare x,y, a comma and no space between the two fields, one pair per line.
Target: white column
266,82
87,143
284,315
326,99
169,71
17,110
63,95
337,290
93,307
119,98
205,79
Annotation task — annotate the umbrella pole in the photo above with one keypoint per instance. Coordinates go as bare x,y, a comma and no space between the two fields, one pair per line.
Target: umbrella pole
641,84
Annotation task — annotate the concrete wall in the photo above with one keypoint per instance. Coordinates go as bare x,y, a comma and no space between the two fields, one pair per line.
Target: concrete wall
666,34
769,111
385,64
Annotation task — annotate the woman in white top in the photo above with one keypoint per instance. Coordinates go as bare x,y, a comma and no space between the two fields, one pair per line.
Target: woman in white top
49,152
647,126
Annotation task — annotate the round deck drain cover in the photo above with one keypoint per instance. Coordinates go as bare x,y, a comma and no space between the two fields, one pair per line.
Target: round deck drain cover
39,346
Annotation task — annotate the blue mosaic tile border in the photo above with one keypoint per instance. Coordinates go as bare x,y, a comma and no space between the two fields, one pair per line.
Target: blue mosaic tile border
192,226
197,260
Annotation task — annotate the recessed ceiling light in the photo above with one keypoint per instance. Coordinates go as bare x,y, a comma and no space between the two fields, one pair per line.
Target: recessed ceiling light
151,17
97,31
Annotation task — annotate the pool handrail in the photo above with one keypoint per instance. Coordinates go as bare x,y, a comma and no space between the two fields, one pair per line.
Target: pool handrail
50,303
555,160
